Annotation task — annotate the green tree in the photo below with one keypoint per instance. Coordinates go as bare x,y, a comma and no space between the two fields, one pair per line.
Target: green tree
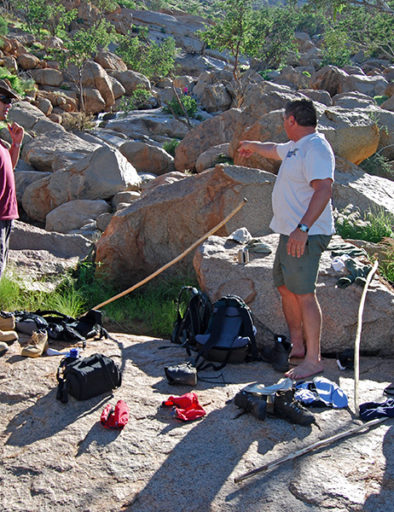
105,5
371,31
84,44
147,57
350,26
46,15
233,30
273,34
370,5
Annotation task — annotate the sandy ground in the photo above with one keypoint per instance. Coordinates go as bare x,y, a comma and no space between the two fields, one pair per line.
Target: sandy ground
58,457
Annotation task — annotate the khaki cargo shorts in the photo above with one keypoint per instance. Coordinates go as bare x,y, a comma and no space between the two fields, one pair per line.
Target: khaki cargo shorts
299,275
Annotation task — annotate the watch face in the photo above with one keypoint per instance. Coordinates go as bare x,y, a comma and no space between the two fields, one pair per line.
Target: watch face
303,227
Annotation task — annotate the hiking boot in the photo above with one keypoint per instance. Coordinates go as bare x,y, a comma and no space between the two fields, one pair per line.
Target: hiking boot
7,321
289,409
278,355
255,404
3,348
8,337
38,344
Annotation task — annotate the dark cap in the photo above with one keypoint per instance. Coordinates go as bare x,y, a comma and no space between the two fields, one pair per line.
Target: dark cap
6,90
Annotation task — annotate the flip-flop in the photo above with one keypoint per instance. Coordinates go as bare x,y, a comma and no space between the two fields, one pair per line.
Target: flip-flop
389,391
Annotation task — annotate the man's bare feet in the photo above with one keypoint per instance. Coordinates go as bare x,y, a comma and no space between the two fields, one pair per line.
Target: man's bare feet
305,369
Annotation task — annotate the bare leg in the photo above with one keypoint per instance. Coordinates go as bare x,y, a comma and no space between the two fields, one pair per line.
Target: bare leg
311,320
293,315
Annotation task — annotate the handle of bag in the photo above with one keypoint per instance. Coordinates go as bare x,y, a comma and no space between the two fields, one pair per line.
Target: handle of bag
101,361
54,313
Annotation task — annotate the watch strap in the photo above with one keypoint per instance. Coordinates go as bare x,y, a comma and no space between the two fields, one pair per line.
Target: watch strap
303,227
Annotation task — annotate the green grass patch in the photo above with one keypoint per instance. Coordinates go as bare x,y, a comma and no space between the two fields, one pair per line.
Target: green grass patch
171,146
386,267
149,310
372,226
378,165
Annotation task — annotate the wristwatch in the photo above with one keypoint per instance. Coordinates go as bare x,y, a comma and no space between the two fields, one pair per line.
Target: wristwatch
303,227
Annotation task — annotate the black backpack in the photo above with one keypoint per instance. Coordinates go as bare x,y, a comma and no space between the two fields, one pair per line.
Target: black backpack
84,378
230,336
195,318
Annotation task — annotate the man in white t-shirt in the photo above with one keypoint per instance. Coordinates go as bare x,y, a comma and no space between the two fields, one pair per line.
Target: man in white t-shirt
301,202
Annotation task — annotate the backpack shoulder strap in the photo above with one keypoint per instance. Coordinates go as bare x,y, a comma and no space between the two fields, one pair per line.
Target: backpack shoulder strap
247,325
214,326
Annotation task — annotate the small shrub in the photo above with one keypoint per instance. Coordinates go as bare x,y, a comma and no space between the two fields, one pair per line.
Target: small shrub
3,27
77,121
128,4
378,165
386,267
16,83
171,146
265,74
137,100
224,159
189,104
380,99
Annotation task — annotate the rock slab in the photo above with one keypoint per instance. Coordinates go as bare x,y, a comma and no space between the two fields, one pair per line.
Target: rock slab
219,273
58,457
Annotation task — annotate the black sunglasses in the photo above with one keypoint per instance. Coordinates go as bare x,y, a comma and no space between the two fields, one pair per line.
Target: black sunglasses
6,100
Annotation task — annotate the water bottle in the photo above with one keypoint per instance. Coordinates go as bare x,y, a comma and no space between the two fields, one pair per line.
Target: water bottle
74,353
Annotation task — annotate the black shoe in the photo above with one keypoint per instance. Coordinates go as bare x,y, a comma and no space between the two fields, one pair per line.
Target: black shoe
255,404
183,373
289,409
278,355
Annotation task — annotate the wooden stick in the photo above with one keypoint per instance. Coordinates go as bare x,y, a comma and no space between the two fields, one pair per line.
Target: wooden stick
175,260
358,336
310,448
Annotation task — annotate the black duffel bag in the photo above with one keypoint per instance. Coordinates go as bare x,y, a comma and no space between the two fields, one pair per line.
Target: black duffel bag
87,377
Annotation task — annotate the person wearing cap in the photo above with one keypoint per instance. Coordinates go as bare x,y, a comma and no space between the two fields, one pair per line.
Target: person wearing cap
8,160
301,202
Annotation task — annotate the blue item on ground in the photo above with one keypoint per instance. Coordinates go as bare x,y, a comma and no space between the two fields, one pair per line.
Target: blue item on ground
321,392
371,410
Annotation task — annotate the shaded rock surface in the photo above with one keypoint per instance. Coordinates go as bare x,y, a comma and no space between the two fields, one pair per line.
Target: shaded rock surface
38,259
58,457
161,225
172,215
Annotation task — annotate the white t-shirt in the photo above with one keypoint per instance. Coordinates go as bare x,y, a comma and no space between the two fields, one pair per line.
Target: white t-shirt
308,159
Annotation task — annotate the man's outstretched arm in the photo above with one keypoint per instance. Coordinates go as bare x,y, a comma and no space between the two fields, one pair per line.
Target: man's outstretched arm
265,149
